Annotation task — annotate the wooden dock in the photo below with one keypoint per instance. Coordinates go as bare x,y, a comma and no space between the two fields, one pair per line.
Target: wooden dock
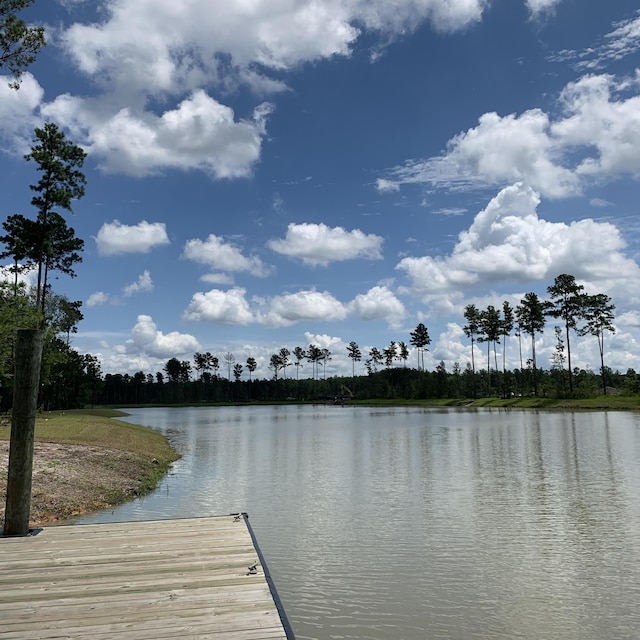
188,578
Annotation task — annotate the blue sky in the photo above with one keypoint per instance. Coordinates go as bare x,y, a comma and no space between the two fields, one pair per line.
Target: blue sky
285,172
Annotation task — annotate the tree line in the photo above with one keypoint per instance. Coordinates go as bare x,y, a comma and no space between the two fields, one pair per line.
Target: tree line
396,383
576,310
220,379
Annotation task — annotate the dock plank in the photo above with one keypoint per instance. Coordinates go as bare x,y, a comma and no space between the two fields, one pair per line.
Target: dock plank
186,578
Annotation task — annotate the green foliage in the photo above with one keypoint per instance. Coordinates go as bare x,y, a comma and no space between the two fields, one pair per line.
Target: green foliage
20,237
252,365
19,43
567,304
354,353
530,313
54,246
420,340
60,163
490,330
314,356
16,311
400,385
178,371
597,312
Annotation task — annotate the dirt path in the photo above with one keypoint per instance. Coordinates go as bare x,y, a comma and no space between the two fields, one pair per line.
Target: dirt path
70,480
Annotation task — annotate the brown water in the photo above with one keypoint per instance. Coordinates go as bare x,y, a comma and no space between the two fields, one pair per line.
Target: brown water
413,524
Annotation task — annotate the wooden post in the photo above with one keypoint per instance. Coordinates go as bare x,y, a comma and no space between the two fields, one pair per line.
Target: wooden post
23,420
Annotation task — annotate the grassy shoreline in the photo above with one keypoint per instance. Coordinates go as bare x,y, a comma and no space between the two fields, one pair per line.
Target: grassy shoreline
100,428
599,403
85,461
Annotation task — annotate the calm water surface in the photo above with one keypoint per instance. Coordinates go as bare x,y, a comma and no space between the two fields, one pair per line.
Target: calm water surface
421,523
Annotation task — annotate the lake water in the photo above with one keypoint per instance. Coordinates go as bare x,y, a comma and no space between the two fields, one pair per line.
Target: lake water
422,523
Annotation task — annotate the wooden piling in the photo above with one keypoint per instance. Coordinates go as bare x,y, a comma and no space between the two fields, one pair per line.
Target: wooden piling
28,358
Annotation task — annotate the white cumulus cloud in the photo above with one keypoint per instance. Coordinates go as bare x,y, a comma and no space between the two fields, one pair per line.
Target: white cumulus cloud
160,68
220,307
596,134
379,303
220,255
147,339
115,238
508,241
318,244
17,112
306,305
199,133
163,45
600,120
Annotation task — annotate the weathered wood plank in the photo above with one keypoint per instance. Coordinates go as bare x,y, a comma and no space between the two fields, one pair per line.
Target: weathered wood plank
165,579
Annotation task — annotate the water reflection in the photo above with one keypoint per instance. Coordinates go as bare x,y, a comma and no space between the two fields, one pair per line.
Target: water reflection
417,524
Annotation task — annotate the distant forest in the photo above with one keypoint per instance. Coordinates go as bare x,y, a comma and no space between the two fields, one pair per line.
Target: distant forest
73,380
397,383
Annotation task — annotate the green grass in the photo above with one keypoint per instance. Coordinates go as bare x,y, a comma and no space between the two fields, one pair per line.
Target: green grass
98,428
600,403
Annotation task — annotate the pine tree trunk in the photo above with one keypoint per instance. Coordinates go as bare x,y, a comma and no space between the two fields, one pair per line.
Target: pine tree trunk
23,420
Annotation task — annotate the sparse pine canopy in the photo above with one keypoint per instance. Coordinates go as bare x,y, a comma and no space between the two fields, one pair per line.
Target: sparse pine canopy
471,329
530,313
567,304
598,317
19,42
59,163
252,365
353,351
420,340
